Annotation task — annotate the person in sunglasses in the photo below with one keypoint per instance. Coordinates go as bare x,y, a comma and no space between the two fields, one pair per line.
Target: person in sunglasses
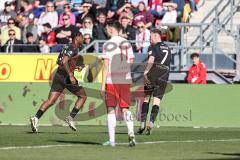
13,44
5,30
6,14
87,27
142,38
64,33
49,16
67,10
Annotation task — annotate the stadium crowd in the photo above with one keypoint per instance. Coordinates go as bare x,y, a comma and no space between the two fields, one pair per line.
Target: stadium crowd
46,25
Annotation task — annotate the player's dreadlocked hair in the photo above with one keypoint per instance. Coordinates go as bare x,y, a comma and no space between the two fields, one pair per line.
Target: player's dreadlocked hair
75,35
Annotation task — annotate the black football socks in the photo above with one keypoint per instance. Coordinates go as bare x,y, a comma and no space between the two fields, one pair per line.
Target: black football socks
154,113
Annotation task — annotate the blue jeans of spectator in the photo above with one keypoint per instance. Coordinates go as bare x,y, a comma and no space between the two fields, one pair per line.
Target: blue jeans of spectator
192,5
38,11
56,48
145,50
158,14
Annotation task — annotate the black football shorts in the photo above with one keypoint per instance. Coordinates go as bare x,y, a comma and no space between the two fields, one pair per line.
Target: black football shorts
61,81
159,81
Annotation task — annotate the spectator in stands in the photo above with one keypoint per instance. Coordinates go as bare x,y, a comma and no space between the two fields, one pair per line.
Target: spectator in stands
64,33
112,6
87,26
6,14
27,25
156,8
30,46
5,29
197,73
2,4
44,48
170,15
180,9
75,3
13,44
39,7
67,10
99,32
126,10
60,5
142,38
135,3
128,31
101,3
86,12
143,15
87,40
192,6
49,35
49,16
25,7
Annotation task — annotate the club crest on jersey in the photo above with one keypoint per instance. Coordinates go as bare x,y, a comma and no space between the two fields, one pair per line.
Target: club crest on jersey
150,52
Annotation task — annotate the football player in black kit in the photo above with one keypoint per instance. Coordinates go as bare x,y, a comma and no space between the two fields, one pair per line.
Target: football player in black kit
155,77
68,60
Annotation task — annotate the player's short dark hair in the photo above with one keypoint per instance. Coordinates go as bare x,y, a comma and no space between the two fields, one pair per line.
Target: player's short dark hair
99,13
48,25
156,31
115,25
29,34
194,55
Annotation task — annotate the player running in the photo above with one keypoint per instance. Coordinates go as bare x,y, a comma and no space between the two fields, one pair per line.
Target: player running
68,60
156,76
117,55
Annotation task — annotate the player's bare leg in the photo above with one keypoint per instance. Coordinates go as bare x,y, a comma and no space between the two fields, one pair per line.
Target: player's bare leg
52,97
78,106
154,113
111,120
144,113
127,115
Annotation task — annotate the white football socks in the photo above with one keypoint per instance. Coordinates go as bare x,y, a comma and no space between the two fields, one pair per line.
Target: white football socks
111,127
129,122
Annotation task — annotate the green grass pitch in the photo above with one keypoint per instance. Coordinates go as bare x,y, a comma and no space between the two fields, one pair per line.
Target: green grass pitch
166,143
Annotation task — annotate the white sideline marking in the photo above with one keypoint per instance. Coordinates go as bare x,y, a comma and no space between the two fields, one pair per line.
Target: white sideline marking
154,142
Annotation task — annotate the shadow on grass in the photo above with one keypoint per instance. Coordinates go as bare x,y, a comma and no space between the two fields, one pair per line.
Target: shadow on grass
226,154
78,142
115,133
217,159
234,156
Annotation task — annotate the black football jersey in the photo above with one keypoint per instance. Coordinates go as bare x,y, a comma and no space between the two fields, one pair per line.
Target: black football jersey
69,51
162,54
161,67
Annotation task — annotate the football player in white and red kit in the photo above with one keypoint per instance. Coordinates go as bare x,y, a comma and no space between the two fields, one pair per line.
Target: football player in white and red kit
118,57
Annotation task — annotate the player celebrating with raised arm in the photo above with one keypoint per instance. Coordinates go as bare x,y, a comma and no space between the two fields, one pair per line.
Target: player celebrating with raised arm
68,60
118,57
156,76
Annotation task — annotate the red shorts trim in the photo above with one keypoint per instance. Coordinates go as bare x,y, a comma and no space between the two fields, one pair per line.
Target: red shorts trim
118,95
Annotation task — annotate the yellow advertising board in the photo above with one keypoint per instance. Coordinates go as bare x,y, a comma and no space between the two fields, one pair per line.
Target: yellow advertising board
36,68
